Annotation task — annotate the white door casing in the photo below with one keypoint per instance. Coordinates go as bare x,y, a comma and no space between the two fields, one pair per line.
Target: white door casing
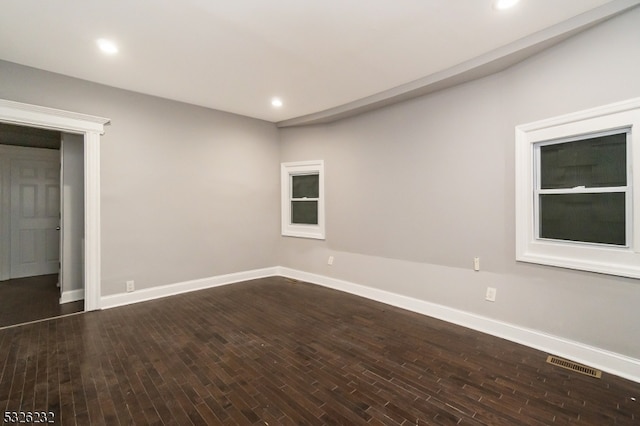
35,216
91,127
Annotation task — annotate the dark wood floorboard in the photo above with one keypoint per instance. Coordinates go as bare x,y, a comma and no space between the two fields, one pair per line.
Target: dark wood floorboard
279,352
31,299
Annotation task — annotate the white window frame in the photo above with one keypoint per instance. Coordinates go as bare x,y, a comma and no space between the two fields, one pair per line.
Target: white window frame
601,258
287,171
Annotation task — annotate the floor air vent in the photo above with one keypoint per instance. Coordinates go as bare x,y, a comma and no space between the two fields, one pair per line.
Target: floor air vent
574,366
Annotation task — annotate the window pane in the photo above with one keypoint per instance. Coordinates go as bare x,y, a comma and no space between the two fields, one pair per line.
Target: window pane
594,163
305,186
304,212
592,218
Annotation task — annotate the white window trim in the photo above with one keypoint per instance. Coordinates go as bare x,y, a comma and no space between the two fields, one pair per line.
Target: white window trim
300,168
621,261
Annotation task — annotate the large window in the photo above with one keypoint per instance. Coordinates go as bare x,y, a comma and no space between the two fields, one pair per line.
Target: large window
583,189
303,199
576,191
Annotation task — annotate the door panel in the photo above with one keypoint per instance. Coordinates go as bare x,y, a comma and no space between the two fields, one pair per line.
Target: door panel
35,217
28,196
27,246
52,198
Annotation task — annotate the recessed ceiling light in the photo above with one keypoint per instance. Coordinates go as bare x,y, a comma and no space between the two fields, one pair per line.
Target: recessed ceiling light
107,46
504,4
276,102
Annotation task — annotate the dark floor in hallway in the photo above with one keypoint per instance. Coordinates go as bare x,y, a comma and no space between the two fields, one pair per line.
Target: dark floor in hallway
33,298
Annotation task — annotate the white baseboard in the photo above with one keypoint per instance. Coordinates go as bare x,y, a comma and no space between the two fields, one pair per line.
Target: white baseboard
611,362
143,295
71,296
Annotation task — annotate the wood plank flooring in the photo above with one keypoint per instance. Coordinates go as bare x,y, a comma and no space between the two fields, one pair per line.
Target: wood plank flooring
280,352
31,299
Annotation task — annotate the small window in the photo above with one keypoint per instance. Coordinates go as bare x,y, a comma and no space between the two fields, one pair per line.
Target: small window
303,199
305,193
577,196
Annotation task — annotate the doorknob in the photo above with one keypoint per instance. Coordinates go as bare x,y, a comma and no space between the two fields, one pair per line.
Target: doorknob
57,228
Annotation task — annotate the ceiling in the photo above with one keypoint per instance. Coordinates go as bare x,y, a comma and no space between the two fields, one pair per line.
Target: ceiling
318,56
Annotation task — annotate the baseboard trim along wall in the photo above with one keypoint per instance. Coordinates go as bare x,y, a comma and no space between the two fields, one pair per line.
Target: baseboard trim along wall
144,295
71,296
611,362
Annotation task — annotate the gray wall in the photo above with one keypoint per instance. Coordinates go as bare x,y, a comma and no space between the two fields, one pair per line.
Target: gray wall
72,256
186,192
416,190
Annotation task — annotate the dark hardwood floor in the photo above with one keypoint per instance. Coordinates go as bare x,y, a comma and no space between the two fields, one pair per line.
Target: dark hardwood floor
31,299
279,352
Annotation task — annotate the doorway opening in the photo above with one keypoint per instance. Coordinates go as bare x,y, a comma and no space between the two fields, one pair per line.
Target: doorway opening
41,224
89,128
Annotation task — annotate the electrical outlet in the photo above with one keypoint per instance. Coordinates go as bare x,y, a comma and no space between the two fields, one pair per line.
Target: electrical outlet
130,286
476,263
491,294
330,260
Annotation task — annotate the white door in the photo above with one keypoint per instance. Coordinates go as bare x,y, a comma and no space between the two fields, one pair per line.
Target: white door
35,217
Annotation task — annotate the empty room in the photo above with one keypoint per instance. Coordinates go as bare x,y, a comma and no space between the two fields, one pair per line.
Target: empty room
300,212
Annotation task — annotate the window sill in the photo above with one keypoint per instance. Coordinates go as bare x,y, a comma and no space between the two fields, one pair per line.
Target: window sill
603,260
303,232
